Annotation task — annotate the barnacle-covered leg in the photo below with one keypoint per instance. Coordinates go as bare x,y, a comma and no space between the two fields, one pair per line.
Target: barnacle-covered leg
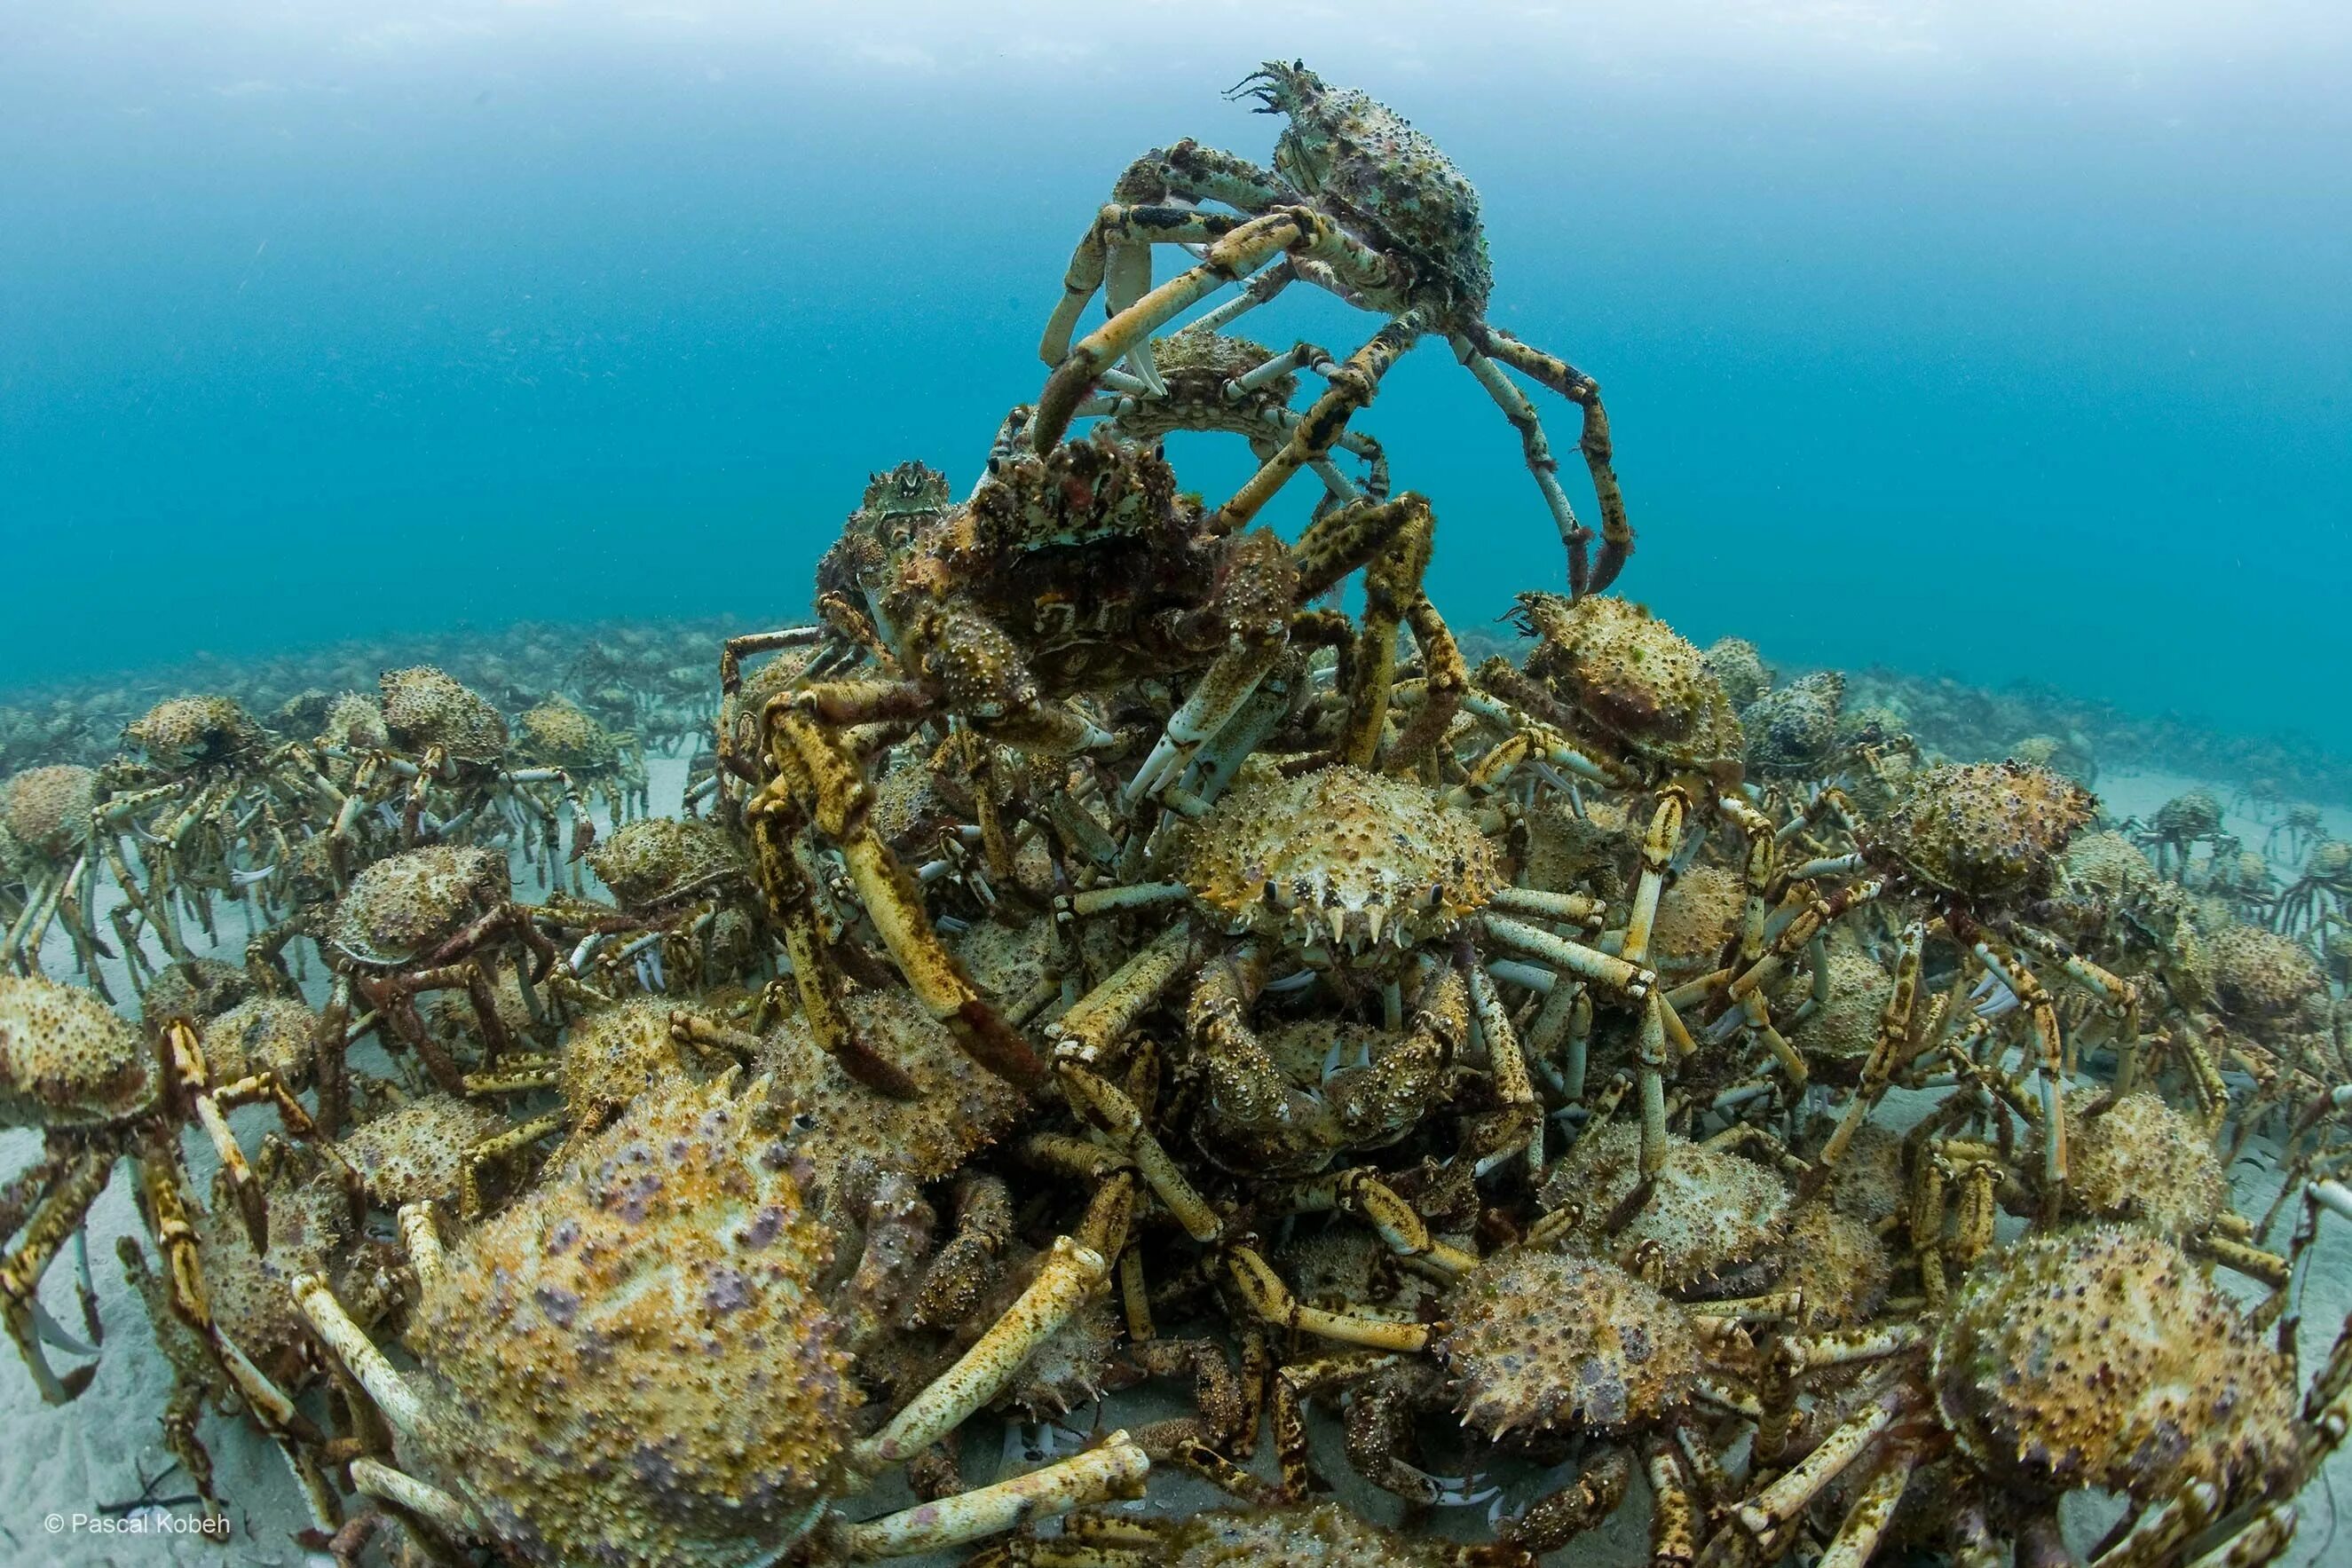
1581,1503
496,1147
194,1377
1616,531
1391,586
1574,537
1674,1516
1116,1470
1086,1032
1360,1192
54,1220
1760,1523
1220,1403
960,1272
1293,1385
1444,678
1249,1095
1222,690
1888,1053
1520,1127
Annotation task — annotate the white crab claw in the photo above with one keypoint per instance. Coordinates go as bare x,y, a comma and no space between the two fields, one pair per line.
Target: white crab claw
1159,770
247,878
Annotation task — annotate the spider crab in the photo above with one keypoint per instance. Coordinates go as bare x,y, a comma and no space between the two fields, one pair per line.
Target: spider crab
1065,576
649,1359
1360,202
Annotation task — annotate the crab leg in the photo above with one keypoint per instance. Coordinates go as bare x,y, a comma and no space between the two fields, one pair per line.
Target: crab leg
1116,1470
1616,531
1238,251
1073,1275
1353,386
57,1215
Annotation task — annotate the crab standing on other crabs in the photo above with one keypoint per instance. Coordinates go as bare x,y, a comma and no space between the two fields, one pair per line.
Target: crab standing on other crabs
1064,579
1360,202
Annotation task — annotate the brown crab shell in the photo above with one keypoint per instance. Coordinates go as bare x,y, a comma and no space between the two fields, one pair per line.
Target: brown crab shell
2105,1357
634,1363
1984,831
1631,676
1339,860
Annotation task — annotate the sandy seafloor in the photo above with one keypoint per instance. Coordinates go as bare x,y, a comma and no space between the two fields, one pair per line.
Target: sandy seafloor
104,1447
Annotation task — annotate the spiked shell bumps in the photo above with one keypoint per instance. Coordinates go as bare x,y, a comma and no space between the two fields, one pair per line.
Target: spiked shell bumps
1340,859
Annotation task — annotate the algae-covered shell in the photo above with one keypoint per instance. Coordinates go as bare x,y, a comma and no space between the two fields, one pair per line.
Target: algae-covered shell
1983,830
1707,1213
414,1152
634,1363
67,1059
404,905
1836,1264
196,989
660,859
2140,1159
2106,1358
559,732
1634,678
183,734
1541,1340
1793,732
1339,860
424,707
2259,973
261,1034
48,808
848,1130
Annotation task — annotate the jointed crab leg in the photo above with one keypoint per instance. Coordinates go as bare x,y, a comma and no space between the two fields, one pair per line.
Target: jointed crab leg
1239,250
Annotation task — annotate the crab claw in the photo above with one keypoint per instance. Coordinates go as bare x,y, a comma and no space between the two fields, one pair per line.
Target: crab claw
1126,280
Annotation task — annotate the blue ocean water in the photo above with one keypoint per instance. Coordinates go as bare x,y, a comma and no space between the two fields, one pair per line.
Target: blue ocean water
1942,339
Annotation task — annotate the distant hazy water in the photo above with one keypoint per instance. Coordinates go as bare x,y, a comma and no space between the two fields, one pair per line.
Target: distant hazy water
1967,355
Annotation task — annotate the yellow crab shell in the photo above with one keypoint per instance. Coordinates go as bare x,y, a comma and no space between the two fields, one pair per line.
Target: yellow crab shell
424,707
2107,1358
1339,860
636,1361
406,905
183,733
48,808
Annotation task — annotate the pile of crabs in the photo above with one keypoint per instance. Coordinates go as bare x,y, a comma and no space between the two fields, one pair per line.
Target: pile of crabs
1088,958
